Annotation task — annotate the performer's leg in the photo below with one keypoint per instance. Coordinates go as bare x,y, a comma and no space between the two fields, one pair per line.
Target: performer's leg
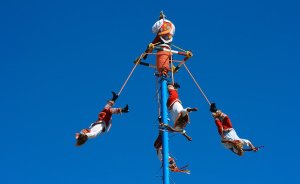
226,122
219,125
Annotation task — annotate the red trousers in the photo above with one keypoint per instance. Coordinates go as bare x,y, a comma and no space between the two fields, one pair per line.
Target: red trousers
223,125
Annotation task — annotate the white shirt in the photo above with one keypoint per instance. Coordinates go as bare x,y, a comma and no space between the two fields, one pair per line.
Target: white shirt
175,110
231,135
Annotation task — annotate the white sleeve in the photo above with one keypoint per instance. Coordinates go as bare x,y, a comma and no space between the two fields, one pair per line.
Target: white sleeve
247,142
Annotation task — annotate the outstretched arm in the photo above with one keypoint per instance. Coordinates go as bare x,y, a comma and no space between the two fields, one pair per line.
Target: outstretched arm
252,147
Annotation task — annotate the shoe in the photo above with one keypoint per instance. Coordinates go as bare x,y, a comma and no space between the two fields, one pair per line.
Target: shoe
125,109
176,85
213,107
115,96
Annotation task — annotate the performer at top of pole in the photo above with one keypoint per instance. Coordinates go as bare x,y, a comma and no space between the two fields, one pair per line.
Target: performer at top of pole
164,30
103,124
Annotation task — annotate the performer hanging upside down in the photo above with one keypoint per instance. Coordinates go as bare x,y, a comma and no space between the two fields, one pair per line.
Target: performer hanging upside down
103,123
164,30
229,137
179,115
172,164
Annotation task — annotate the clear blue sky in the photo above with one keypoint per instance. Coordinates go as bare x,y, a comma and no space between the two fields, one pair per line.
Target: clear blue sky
60,60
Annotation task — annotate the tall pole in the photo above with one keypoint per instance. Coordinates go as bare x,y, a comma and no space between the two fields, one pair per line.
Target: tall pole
165,138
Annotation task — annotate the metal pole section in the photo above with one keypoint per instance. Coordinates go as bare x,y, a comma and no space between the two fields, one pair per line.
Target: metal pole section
165,141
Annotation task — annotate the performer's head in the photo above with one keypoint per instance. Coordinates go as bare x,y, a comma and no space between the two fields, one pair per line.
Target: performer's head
81,139
238,148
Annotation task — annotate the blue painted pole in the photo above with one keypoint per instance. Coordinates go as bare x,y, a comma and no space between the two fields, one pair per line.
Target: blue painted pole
165,138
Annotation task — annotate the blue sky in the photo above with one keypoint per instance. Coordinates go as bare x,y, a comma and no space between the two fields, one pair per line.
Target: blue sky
60,60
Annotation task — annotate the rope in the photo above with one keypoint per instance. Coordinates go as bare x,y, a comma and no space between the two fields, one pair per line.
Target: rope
172,72
130,74
151,53
197,84
157,96
178,48
176,61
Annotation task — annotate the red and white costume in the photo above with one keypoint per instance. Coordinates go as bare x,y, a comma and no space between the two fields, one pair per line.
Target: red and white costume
227,132
179,115
172,164
158,147
104,121
165,31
